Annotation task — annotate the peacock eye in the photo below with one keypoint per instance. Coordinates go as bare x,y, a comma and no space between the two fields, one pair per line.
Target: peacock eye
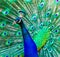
34,16
57,0
18,55
42,4
4,33
3,24
47,13
18,32
6,56
6,11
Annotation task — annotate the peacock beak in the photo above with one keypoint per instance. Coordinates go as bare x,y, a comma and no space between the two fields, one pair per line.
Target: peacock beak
14,23
17,21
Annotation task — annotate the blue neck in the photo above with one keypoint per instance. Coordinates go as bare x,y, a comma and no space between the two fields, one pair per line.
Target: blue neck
30,49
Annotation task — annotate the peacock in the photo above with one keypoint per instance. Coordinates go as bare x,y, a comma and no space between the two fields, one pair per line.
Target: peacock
41,20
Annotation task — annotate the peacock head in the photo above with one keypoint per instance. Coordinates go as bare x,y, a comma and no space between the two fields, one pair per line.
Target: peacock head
19,18
21,13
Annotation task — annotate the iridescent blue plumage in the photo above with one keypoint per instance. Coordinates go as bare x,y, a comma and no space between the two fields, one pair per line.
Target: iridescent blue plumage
30,49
